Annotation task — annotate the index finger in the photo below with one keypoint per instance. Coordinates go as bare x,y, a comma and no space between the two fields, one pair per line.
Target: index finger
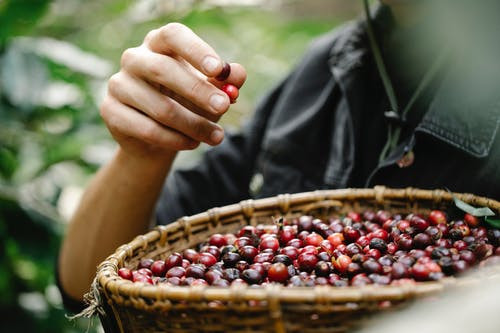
176,38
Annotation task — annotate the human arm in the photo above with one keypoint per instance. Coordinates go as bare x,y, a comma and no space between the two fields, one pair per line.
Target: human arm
159,103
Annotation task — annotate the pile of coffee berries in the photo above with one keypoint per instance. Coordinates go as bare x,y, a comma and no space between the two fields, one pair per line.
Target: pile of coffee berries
358,249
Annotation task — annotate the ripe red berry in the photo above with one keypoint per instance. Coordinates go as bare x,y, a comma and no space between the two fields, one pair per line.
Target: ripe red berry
336,239
356,217
188,254
159,268
143,278
217,240
269,243
125,273
278,272
307,261
206,259
471,220
437,217
145,263
231,91
351,235
341,263
313,239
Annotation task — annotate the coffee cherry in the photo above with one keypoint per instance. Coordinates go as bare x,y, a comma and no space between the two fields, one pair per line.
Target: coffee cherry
247,231
231,274
231,91
419,224
422,240
297,243
143,278
382,216
225,72
399,271
404,242
351,235
269,243
125,273
437,217
493,236
313,239
217,240
353,269
263,257
251,276
248,253
286,234
305,223
176,271
290,252
460,245
307,261
341,263
281,258
374,253
145,263
372,266
196,271
360,280
159,268
420,272
278,272
379,244
353,249
221,283
188,254
230,259
471,220
213,275
145,271
206,259
322,268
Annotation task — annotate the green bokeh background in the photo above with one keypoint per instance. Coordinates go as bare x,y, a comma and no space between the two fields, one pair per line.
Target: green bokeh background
55,57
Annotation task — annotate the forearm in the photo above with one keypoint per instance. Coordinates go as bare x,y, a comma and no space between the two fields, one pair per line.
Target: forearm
116,207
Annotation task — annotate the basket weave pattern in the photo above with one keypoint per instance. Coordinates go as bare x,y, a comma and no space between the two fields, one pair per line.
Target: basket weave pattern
135,307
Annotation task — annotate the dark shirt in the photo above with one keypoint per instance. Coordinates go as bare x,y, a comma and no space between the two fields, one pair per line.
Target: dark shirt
323,128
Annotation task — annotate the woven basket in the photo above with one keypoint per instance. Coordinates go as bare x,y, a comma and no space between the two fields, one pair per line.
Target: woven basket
134,307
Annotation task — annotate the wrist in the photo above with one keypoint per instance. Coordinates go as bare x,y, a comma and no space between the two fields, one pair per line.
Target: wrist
158,160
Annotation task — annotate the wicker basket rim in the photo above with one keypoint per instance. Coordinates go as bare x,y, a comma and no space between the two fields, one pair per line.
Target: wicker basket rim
108,280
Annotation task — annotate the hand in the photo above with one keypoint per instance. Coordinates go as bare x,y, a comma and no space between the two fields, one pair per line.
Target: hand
165,96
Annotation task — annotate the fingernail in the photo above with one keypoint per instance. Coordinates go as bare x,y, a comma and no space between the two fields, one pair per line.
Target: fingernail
217,101
216,136
210,64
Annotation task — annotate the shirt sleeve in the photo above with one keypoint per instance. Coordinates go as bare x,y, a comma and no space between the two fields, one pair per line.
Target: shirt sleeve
223,175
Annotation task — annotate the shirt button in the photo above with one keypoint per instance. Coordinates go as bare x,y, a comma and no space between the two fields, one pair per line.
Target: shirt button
407,160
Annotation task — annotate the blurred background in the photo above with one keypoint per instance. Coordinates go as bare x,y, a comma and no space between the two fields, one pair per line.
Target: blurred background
55,58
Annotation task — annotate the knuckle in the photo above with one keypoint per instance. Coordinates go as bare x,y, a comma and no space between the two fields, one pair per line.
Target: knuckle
183,143
164,113
200,129
157,68
196,89
128,57
114,83
172,29
150,36
149,133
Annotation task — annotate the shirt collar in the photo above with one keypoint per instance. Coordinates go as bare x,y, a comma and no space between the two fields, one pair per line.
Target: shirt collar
459,114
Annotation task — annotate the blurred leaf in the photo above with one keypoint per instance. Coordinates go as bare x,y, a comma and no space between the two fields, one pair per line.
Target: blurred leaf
18,17
22,76
495,223
8,163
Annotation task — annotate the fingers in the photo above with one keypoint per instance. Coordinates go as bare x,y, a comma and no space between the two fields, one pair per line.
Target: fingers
176,77
123,120
237,77
141,96
175,38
